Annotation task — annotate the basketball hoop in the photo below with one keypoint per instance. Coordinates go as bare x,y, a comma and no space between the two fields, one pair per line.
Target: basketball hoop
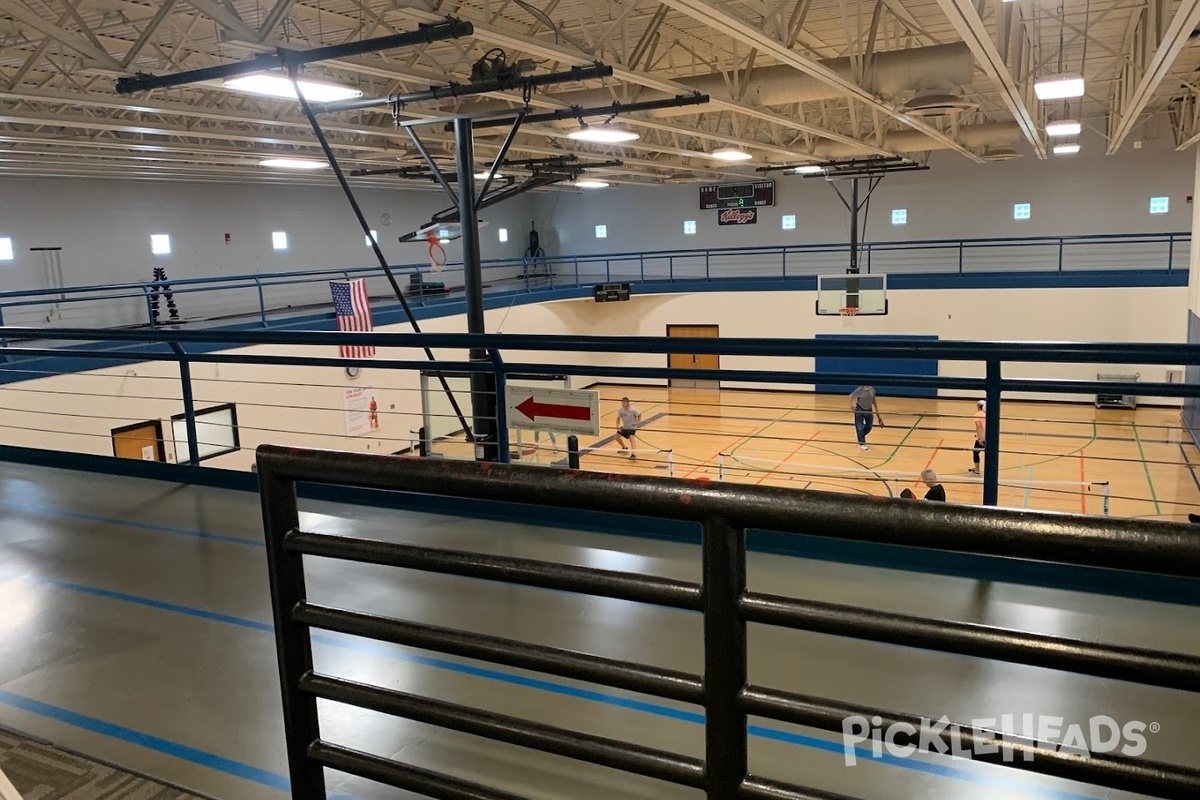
437,253
848,315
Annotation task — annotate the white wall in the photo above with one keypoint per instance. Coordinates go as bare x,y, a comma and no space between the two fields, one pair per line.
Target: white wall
955,199
104,228
304,405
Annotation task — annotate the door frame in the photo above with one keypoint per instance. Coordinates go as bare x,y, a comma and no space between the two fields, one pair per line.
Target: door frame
159,444
685,383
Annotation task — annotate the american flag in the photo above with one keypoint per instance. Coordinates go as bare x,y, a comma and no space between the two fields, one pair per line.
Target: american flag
353,310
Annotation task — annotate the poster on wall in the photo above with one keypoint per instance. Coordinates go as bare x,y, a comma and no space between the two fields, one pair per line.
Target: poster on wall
362,410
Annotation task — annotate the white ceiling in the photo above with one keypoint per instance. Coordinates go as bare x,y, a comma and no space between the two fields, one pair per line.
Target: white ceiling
60,114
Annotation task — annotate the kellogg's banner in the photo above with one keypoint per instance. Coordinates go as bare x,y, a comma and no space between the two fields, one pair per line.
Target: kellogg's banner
738,216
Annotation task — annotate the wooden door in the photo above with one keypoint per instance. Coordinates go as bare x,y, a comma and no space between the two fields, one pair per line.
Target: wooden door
142,441
698,361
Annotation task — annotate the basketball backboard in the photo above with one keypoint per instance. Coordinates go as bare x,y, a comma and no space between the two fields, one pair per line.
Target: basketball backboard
443,231
867,294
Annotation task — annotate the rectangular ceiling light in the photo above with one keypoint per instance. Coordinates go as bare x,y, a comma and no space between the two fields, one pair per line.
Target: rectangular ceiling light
279,86
1065,127
1059,87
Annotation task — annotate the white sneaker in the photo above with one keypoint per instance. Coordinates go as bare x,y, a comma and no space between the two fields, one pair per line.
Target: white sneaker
863,447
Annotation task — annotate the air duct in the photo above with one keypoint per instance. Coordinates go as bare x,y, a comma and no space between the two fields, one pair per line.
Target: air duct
989,134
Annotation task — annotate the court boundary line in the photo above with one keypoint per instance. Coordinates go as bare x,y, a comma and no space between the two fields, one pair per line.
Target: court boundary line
178,750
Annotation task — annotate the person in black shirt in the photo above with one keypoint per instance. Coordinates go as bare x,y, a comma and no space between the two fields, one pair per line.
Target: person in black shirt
936,491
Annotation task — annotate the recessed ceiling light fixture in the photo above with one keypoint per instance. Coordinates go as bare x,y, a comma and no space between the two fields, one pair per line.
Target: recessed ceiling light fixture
292,163
1064,127
279,86
591,184
1069,149
731,154
604,134
1059,87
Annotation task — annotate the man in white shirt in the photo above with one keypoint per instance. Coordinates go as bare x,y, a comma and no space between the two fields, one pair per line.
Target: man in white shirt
628,418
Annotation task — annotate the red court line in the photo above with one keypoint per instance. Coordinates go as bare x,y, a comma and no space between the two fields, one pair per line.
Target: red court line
799,447
1082,486
932,456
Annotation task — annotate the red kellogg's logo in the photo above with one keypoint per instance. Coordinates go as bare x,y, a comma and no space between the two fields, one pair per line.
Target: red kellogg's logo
738,216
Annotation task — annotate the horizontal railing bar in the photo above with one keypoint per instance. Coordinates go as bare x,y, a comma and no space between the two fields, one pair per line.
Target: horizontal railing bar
402,776
1147,667
599,750
503,569
945,350
1137,545
561,663
1124,773
755,788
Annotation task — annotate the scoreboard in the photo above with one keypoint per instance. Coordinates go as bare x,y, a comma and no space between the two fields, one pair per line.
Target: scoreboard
737,195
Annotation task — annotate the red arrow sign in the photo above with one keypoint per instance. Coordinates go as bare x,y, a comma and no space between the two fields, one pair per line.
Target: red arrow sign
533,409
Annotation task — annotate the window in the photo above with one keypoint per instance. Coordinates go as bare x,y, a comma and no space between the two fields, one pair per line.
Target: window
689,227
6,249
601,231
1021,211
279,240
503,234
1160,205
374,237
789,222
899,216
160,244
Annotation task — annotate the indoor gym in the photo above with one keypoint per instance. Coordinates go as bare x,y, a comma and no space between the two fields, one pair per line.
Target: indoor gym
829,191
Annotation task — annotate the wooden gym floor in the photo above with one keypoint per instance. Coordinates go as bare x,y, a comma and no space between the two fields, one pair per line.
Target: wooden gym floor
1054,456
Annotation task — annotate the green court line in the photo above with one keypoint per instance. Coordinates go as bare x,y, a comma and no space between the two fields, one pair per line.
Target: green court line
1146,468
912,429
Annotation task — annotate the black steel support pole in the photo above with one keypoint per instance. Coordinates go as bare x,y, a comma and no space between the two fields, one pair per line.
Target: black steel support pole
366,229
725,735
991,432
483,384
292,641
854,226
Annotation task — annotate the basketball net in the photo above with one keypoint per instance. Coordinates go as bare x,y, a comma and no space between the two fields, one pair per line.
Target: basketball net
848,315
437,253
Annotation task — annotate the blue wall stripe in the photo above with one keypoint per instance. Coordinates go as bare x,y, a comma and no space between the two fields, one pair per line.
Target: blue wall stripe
848,365
655,709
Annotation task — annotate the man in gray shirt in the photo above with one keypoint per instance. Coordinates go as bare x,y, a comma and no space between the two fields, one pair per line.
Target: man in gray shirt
866,411
628,418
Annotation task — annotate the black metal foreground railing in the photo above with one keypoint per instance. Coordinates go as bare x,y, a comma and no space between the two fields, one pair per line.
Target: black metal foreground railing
726,512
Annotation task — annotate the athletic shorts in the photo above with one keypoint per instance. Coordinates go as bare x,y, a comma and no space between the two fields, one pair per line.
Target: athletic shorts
628,433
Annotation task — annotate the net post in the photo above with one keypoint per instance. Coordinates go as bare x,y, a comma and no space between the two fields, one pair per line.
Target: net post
1105,490
423,443
671,463
573,451
720,466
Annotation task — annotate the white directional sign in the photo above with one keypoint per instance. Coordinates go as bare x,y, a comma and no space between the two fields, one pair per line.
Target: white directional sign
534,408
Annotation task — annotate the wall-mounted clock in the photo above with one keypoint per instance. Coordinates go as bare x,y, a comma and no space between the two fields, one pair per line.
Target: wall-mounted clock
353,372
385,220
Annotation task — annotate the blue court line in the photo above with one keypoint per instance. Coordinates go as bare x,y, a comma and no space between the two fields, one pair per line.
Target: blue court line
155,743
33,508
655,709
611,439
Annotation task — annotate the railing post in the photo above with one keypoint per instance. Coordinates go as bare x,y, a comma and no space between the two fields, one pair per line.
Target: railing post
868,248
671,268
189,406
1060,254
573,451
725,734
642,266
784,262
706,264
960,257
262,303
991,430
501,408
1170,252
292,641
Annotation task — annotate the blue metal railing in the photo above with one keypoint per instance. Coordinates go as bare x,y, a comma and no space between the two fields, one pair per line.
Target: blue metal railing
992,359
273,297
